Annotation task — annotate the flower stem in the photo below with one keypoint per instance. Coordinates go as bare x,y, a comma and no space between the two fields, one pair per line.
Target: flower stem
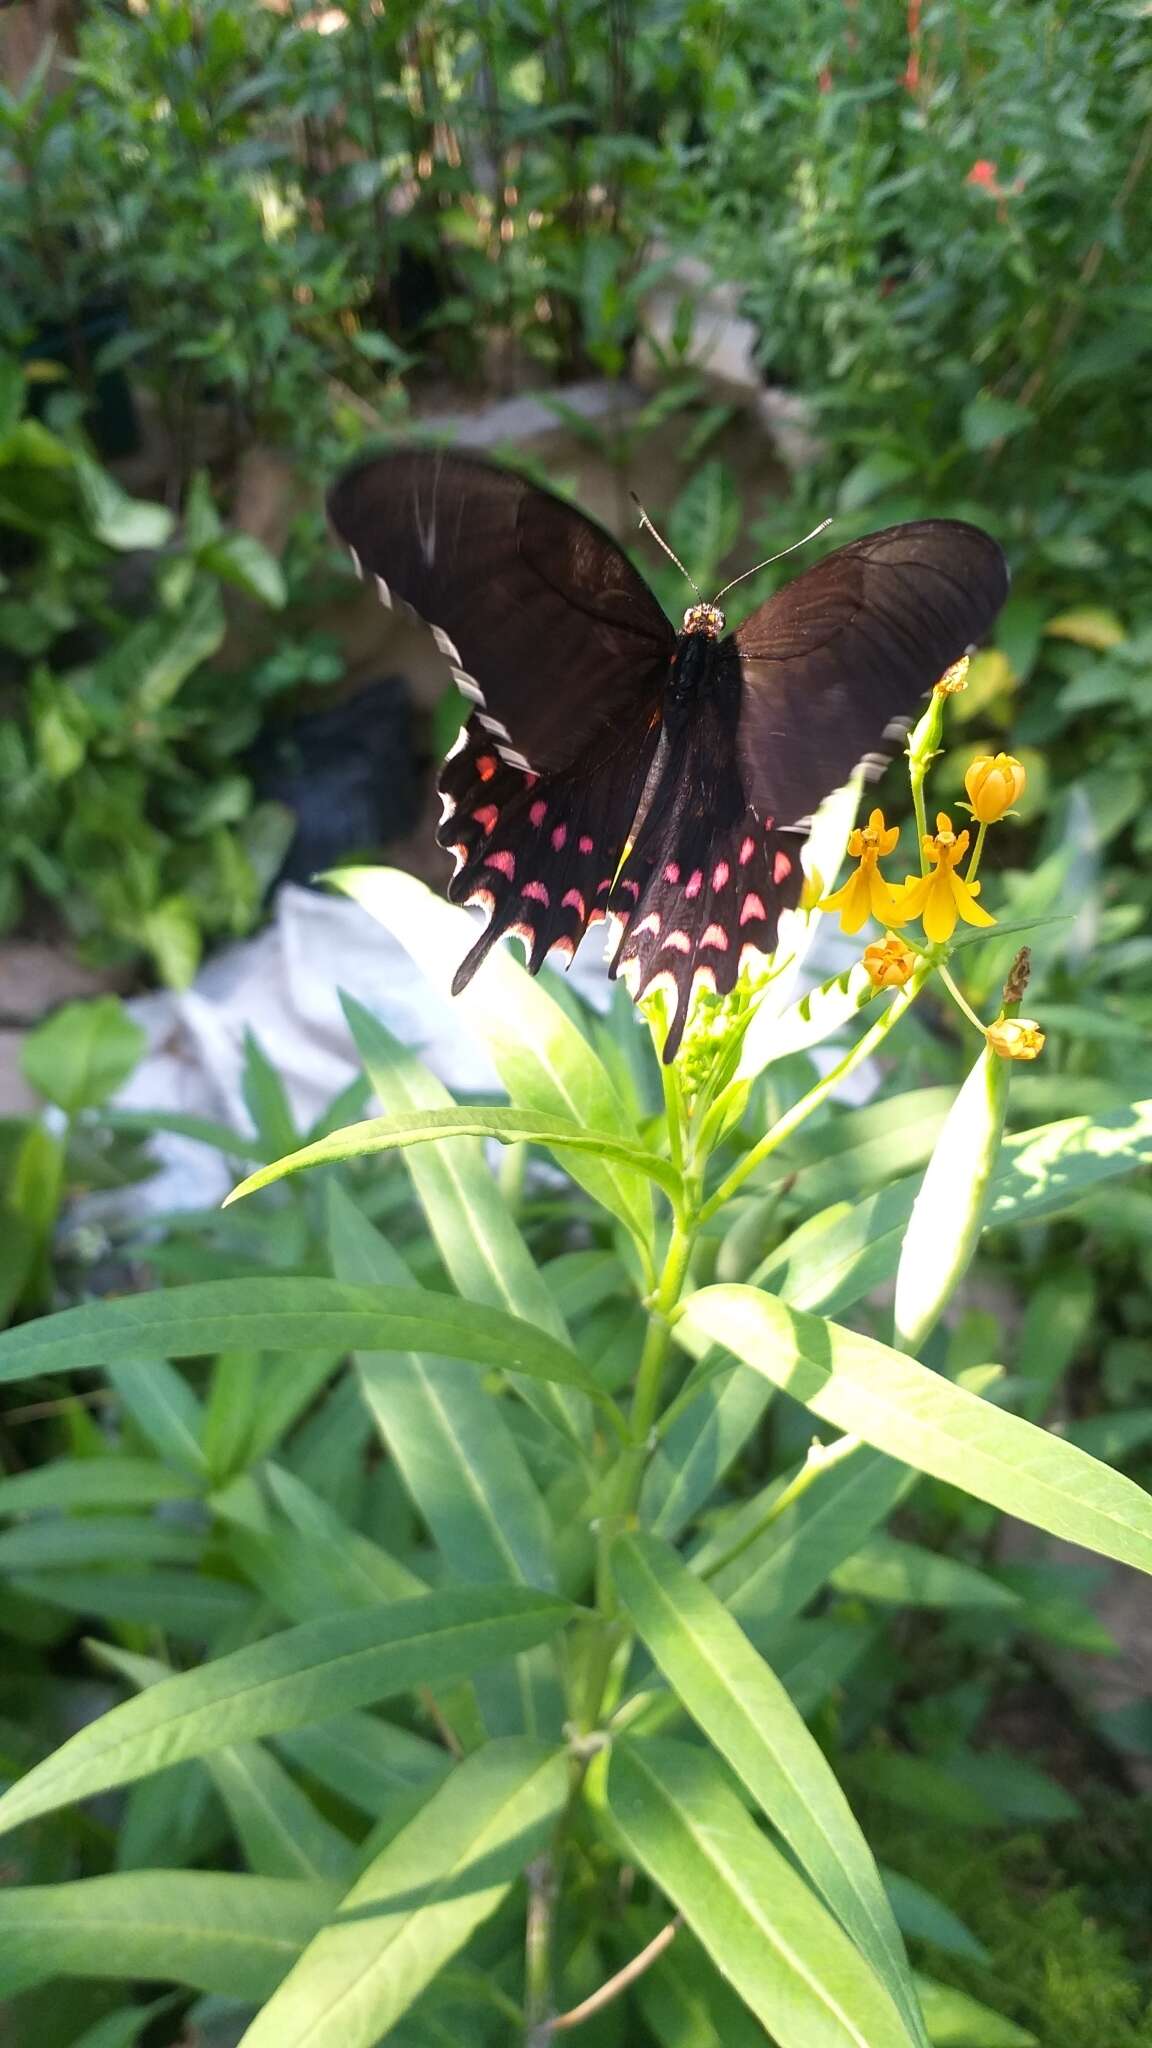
977,850
803,1109
958,999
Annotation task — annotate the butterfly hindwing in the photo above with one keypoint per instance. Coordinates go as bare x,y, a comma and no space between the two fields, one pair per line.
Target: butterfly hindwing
537,853
707,878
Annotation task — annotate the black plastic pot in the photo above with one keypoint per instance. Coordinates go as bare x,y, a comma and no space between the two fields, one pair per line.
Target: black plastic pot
111,420
349,773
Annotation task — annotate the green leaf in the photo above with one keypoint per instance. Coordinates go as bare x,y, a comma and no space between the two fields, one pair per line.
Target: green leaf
699,1446
948,1213
544,1061
923,1917
744,1710
870,1391
164,1409
111,1482
96,1539
905,1575
279,1829
241,559
304,1674
458,1458
364,1760
419,1901
766,1932
187,1605
118,520
509,1126
986,420
475,1232
956,2020
83,1053
856,1247
232,1935
286,1314
266,1100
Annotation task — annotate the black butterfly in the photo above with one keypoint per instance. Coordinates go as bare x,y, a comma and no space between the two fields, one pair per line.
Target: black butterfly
598,727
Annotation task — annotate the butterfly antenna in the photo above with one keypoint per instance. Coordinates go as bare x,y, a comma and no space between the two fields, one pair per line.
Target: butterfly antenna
745,573
661,542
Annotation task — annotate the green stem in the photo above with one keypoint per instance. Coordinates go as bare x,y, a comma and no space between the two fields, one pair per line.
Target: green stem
977,850
538,1949
958,999
794,1117
820,1456
917,780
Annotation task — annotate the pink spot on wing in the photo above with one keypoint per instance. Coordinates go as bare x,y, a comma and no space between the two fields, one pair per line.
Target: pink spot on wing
781,867
672,872
504,863
573,901
750,908
559,837
695,883
747,849
651,923
486,816
679,942
584,843
633,888
768,824
537,892
716,936
720,874
485,767
539,811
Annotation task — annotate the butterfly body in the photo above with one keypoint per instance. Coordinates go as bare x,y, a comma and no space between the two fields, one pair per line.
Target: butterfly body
611,767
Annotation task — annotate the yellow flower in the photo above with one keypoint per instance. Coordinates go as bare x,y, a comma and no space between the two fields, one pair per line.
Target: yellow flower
1016,1038
994,783
866,893
954,678
942,896
889,962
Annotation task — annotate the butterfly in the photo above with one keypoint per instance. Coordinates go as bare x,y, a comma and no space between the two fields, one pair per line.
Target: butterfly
613,767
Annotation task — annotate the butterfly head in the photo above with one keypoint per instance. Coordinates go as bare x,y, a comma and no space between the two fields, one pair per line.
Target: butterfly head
704,618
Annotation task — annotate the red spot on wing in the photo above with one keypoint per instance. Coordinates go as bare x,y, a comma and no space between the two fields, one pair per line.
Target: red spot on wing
672,872
504,863
781,867
750,908
487,816
585,843
486,766
537,892
747,849
539,811
559,838
720,874
695,883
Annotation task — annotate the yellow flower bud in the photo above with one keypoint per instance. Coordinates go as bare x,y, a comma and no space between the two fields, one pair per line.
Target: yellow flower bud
994,783
889,963
1016,1038
954,678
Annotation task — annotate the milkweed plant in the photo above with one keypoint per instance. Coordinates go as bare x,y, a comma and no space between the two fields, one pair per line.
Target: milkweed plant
531,1751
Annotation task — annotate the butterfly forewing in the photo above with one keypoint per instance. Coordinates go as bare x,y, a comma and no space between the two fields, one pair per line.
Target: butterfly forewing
545,623
835,664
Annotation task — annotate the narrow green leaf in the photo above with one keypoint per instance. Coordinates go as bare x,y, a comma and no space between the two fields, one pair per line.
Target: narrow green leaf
475,1231
905,1575
111,1482
544,1061
459,1460
304,1674
75,1541
188,1605
699,1446
285,1314
875,1393
232,1935
363,1759
923,1917
948,1212
266,1099
687,2004
164,1409
782,1950
417,1903
279,1829
841,1256
956,2020
744,1710
509,1126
